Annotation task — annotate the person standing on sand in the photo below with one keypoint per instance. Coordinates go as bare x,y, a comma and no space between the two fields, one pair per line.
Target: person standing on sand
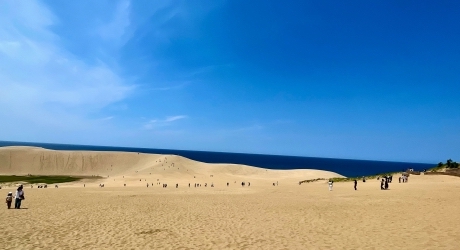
386,184
9,199
356,184
382,184
331,183
19,197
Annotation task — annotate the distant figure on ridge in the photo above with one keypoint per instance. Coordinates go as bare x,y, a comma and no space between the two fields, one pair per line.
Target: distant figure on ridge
331,183
356,184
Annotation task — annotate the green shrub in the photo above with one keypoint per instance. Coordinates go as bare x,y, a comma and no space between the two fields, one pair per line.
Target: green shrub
47,179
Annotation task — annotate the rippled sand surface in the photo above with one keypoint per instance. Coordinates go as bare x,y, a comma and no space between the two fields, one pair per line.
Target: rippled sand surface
420,214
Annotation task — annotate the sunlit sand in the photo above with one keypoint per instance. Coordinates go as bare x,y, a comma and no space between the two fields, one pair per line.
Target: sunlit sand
420,214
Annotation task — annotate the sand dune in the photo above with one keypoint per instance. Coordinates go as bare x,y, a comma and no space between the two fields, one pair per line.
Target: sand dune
135,166
420,214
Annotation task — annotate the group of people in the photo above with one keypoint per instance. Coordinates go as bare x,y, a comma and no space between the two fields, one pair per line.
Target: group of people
386,180
17,198
384,183
198,185
403,178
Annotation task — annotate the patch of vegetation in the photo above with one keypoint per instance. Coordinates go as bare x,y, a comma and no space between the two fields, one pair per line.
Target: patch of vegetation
311,180
47,179
369,177
448,165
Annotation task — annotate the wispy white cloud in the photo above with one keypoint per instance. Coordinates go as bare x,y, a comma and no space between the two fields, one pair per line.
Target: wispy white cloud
175,118
156,123
115,30
172,87
107,118
43,83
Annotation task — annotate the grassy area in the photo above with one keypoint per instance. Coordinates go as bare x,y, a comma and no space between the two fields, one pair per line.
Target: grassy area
437,168
369,177
47,179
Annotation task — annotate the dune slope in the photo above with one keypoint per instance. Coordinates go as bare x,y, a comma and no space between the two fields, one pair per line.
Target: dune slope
39,161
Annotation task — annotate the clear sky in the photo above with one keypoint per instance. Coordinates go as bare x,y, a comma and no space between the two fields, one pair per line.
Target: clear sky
375,80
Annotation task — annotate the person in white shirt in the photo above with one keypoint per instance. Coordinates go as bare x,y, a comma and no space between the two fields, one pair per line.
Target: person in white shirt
19,197
330,185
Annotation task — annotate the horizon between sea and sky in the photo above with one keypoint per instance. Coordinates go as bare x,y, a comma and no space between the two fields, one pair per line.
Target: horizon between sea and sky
355,80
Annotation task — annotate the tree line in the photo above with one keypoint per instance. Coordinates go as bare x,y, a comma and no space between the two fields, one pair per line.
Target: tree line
449,164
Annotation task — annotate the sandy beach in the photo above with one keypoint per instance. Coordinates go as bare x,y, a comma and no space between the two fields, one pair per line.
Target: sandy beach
420,214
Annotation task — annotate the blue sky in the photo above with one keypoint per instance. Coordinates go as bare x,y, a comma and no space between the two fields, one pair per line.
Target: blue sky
375,80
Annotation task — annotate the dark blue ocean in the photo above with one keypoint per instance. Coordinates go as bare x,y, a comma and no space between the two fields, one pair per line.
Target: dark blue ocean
350,168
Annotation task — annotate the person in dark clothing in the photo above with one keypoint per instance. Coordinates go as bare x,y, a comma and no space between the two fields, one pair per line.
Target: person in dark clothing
19,197
9,199
386,184
382,184
356,184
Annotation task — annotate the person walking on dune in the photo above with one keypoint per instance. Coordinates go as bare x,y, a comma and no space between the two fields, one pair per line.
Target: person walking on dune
19,197
331,183
356,185
9,199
